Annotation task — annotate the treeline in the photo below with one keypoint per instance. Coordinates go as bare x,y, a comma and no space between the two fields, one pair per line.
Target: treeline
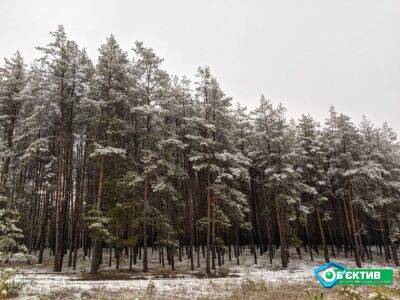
121,155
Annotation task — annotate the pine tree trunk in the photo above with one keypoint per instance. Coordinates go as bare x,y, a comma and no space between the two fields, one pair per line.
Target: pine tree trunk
97,241
280,211
354,233
208,271
145,196
191,220
392,245
45,214
385,248
269,235
70,187
237,250
253,224
78,207
321,231
298,248
308,240
58,233
212,235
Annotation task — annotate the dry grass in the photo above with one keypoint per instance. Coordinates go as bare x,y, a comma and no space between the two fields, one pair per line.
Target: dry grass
108,275
256,290
248,289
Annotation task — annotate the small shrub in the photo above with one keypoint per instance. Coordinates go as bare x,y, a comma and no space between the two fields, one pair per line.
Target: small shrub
315,295
276,267
223,272
397,276
163,272
379,295
8,288
21,259
250,288
200,275
350,292
151,290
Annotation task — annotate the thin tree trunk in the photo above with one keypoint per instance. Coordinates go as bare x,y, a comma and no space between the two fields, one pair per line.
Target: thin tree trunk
96,252
280,211
145,196
45,214
354,233
321,231
58,233
208,271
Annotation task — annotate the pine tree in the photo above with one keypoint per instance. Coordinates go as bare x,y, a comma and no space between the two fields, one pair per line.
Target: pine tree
311,164
109,91
275,155
11,246
12,82
342,140
152,84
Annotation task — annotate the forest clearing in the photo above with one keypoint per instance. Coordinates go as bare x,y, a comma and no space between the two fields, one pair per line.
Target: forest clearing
246,281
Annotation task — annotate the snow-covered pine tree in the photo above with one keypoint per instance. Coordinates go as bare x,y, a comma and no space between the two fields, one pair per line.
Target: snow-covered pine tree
182,107
64,70
109,92
151,89
376,184
11,237
342,141
13,80
274,154
214,158
243,138
311,164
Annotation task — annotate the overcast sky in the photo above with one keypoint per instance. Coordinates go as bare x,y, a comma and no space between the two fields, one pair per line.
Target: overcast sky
306,54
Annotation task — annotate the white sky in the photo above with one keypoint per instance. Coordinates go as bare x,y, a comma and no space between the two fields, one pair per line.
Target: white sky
307,54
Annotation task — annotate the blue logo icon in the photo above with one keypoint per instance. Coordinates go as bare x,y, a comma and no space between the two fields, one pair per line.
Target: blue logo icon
327,274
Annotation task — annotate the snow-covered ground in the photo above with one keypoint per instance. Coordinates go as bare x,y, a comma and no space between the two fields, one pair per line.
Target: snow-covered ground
39,280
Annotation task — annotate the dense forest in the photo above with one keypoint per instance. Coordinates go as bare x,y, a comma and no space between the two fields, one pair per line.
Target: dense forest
120,156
